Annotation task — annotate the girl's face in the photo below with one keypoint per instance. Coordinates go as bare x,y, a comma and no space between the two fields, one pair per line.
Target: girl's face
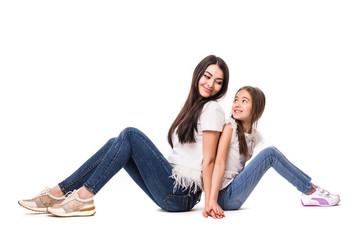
211,82
242,106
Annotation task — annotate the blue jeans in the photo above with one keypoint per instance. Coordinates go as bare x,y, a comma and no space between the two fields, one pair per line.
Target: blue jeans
134,152
235,194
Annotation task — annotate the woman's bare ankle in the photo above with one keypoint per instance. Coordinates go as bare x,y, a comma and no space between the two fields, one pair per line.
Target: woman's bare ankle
56,191
84,193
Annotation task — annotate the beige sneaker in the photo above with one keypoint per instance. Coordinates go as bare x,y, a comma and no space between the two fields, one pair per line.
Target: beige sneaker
42,201
73,206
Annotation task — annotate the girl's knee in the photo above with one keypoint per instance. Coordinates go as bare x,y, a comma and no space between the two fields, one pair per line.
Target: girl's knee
271,150
268,155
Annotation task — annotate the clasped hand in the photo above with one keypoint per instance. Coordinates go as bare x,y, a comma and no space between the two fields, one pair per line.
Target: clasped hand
213,210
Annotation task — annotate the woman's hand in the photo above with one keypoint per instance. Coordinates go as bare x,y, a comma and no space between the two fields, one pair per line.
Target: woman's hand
208,212
212,179
214,211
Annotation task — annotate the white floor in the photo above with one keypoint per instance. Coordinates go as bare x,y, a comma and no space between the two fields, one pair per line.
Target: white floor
267,213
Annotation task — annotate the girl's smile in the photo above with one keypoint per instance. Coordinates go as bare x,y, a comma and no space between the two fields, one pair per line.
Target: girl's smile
242,107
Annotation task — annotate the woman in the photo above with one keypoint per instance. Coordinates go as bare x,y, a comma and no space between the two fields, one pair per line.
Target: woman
175,183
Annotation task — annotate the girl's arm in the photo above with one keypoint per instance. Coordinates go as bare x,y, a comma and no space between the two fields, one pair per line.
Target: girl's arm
210,142
213,209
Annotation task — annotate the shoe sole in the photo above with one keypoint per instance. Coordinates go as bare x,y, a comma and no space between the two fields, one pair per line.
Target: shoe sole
41,210
73,214
318,205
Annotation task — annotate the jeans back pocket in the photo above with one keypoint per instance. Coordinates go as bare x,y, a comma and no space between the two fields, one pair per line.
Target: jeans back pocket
181,203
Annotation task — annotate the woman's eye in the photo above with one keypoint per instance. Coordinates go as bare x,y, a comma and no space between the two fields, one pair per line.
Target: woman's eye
219,82
244,101
235,101
206,76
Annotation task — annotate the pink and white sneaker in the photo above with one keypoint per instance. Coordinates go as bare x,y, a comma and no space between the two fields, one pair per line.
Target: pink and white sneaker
320,198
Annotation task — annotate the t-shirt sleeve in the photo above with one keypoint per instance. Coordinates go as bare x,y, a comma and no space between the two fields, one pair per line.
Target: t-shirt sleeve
212,117
260,143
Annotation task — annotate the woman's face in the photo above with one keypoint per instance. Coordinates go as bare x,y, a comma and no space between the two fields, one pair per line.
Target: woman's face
211,82
242,106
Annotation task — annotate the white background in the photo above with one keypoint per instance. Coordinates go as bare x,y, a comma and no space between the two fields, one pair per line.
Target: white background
75,73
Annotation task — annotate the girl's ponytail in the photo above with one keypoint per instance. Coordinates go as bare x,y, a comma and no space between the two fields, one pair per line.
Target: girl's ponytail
243,148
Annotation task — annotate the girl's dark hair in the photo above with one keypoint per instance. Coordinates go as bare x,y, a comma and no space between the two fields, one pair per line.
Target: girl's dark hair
187,119
258,106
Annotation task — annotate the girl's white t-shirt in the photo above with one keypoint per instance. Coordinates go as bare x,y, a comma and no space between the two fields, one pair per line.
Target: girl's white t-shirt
186,159
235,162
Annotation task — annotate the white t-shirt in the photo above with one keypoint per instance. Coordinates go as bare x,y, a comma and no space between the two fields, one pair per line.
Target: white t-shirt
235,162
186,159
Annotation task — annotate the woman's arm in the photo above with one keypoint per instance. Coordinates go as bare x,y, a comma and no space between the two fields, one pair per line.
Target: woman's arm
210,142
219,170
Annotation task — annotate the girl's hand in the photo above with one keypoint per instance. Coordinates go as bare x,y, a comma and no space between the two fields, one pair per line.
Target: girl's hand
217,210
208,212
219,213
214,211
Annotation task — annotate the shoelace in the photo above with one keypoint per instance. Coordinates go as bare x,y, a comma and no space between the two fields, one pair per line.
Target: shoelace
46,191
69,196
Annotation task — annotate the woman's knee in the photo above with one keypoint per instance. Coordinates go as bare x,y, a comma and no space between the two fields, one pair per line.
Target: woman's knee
111,141
126,131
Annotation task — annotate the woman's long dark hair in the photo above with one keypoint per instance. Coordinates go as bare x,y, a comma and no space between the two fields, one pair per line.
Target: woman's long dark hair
186,121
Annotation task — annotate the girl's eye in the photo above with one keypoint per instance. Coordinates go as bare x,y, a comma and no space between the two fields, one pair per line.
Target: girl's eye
219,82
235,101
244,101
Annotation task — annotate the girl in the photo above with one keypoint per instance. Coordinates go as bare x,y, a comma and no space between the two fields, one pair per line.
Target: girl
231,183
175,183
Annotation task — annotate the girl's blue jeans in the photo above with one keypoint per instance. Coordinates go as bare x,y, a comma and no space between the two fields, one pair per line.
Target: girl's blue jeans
235,194
134,152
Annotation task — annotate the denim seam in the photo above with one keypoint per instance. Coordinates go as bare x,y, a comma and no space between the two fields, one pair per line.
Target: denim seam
79,177
301,180
268,168
252,172
92,189
186,201
117,153
62,188
154,153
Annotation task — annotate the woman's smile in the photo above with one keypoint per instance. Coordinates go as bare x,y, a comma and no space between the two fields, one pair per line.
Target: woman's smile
211,82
